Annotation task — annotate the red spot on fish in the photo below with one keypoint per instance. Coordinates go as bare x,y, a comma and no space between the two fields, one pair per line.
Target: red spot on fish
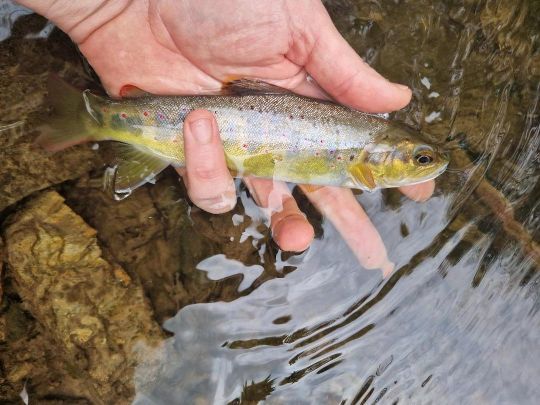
145,113
123,115
244,146
316,153
339,158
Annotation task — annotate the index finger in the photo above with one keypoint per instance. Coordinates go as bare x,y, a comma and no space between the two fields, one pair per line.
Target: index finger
340,206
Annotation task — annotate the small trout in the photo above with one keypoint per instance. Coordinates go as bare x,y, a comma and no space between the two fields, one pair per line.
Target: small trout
267,131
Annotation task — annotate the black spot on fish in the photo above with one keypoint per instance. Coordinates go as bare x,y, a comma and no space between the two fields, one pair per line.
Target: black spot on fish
351,158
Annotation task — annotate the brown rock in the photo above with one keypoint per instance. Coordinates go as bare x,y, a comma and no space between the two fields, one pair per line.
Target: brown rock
1,274
96,315
30,359
27,168
156,235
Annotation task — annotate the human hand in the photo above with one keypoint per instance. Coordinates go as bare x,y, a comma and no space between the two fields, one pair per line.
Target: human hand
192,46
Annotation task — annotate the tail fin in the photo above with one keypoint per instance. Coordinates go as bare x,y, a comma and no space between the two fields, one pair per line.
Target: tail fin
70,122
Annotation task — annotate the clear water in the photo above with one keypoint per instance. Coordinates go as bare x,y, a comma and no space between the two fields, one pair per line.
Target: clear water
458,321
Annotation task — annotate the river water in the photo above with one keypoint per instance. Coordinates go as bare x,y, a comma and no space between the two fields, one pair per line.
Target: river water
458,321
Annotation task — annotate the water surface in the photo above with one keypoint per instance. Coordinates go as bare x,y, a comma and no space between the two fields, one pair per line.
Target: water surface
457,322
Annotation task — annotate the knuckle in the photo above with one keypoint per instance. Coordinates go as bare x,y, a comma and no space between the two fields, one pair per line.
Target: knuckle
209,174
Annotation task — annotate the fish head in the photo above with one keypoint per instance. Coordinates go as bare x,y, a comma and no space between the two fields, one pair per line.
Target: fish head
398,159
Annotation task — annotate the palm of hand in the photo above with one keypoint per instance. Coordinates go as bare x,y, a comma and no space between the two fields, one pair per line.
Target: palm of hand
156,54
189,46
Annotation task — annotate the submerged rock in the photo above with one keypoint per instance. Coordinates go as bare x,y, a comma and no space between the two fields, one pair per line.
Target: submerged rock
27,168
93,311
156,235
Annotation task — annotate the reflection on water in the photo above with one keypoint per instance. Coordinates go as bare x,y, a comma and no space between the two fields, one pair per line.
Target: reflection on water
458,321
330,332
9,12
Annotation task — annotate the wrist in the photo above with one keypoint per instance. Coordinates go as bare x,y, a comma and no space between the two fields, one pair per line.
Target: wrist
78,19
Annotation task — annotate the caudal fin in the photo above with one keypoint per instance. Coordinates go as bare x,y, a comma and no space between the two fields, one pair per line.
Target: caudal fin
69,123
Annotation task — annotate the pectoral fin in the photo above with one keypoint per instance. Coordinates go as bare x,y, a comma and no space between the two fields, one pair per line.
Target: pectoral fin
134,168
362,173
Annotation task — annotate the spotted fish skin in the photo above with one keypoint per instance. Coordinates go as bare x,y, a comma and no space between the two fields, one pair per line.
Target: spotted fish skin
266,132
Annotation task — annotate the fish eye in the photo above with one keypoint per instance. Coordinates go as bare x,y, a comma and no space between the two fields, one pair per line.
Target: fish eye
423,159
423,155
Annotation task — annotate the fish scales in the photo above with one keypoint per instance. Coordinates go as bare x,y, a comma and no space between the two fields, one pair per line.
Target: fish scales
285,137
266,132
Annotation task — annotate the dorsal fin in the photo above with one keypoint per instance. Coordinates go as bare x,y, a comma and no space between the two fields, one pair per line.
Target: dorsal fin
243,87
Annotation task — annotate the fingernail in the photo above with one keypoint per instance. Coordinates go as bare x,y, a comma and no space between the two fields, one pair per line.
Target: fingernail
201,130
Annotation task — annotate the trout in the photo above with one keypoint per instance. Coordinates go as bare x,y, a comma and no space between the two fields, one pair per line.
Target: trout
267,131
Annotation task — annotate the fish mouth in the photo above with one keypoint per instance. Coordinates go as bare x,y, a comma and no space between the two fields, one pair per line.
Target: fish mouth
431,176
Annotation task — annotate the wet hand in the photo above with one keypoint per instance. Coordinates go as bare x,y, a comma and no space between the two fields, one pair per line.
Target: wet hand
192,46
210,187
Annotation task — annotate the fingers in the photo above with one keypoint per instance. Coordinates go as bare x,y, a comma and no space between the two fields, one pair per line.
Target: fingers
346,77
290,228
209,183
340,206
420,191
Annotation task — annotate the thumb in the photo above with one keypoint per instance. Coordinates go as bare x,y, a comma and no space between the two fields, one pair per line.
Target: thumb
345,76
